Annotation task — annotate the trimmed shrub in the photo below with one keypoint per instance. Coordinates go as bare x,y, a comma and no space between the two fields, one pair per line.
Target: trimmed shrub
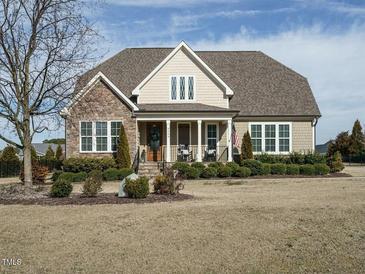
297,158
321,169
279,169
87,164
272,159
192,173
307,170
61,188
113,174
55,175
266,169
209,172
216,165
292,169
243,172
200,166
92,185
314,158
182,167
255,166
138,188
73,177
96,174
123,159
233,166
224,171
167,183
246,148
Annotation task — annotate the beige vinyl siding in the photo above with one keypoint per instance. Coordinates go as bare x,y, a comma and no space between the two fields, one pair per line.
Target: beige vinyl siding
302,133
157,89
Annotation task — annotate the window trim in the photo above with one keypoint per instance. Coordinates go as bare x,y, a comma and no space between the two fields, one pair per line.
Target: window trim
109,137
178,100
263,137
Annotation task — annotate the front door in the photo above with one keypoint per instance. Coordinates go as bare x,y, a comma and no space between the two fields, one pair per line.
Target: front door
154,141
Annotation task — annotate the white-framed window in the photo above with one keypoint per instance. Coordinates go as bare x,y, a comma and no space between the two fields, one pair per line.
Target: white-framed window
114,133
86,135
99,136
256,138
271,137
182,88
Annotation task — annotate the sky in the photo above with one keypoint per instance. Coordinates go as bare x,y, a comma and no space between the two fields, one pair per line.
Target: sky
324,40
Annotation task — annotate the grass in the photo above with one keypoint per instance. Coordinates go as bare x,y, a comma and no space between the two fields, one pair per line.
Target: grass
293,225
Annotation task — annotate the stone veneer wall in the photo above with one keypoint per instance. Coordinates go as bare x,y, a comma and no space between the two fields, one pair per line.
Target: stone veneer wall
99,104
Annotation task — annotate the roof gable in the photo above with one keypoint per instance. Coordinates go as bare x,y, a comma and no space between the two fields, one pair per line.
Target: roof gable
100,76
189,51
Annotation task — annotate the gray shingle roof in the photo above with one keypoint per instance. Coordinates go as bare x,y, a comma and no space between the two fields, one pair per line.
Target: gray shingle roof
182,107
262,86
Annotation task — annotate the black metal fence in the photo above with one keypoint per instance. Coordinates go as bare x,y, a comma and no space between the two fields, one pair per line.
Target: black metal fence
358,159
13,168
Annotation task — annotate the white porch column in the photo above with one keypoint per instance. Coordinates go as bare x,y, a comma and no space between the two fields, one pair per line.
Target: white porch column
199,154
168,146
229,140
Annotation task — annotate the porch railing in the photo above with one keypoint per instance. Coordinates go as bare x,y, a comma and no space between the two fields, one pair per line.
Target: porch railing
221,154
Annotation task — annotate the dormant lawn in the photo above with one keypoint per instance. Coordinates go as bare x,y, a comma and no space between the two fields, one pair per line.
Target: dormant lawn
277,226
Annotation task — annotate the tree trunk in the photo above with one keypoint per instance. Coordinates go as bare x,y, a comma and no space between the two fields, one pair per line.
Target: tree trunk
27,151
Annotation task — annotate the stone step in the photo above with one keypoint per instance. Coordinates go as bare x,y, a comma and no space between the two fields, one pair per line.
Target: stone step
148,169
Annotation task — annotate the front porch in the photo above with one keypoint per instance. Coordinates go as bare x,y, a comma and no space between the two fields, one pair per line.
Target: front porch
190,140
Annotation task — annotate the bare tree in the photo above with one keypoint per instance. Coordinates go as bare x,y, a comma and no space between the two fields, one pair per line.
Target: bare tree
44,46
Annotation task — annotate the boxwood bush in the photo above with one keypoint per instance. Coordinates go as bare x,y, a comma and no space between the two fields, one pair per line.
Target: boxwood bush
209,172
254,165
307,169
216,165
198,165
182,167
292,169
321,169
61,188
192,173
266,169
243,172
73,177
233,166
56,174
113,174
224,171
279,169
88,164
138,188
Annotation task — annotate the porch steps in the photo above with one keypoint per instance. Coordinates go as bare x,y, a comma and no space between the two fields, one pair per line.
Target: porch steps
148,169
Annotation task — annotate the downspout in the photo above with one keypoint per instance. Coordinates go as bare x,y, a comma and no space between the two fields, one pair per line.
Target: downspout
314,124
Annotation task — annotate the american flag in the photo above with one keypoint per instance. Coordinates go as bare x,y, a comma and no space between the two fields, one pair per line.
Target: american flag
235,139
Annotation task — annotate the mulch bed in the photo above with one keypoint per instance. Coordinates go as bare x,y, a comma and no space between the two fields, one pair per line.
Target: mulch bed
103,198
331,175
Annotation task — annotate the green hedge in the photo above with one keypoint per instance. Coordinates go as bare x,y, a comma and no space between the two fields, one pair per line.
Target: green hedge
88,164
242,172
209,172
279,169
292,158
255,166
307,169
292,169
114,174
61,188
266,169
72,177
224,171
138,188
321,169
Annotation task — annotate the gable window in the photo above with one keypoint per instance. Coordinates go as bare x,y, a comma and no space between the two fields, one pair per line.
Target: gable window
99,136
271,137
115,130
86,136
182,88
173,88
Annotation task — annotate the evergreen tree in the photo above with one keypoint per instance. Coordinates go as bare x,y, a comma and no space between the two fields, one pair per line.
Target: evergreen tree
336,164
123,158
49,153
59,153
341,144
9,154
246,148
357,139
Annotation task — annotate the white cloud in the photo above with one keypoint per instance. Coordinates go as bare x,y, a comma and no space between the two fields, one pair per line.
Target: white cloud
165,3
334,64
